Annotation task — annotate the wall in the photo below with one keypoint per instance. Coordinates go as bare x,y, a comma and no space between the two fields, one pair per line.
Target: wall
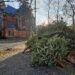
19,31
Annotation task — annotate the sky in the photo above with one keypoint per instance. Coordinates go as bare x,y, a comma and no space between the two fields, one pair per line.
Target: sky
41,15
42,10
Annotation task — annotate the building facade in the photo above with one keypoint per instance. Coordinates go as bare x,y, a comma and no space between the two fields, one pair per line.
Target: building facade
2,6
17,22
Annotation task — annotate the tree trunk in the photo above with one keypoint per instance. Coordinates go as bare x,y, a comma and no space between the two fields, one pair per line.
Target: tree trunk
73,20
58,12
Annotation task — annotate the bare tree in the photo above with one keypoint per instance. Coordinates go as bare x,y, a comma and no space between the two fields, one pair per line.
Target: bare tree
57,11
47,9
49,2
55,6
70,10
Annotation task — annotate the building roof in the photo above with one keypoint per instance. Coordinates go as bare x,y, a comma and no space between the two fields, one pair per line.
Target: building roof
10,10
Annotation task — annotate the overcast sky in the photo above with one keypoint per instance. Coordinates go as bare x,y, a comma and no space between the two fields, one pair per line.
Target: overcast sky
42,10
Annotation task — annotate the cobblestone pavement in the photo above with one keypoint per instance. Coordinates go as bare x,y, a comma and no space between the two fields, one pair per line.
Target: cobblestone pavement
20,65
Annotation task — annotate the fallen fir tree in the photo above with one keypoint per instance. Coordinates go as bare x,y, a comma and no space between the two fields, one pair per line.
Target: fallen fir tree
52,45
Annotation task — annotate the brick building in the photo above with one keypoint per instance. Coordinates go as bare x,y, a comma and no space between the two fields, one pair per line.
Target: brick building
2,6
17,22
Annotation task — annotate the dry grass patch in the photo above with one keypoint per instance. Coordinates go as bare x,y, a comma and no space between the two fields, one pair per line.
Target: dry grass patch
12,51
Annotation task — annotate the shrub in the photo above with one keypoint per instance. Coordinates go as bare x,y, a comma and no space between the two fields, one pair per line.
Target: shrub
61,30
31,40
52,28
46,50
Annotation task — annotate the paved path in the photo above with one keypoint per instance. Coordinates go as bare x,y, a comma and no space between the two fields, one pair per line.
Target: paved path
20,65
